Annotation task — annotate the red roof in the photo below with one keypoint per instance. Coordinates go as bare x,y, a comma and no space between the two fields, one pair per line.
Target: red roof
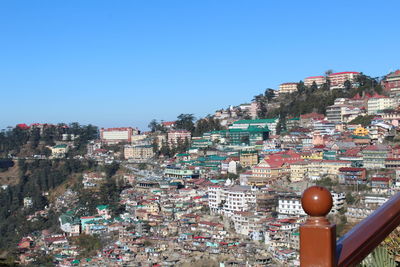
351,169
376,95
315,77
287,83
345,72
380,179
22,126
168,123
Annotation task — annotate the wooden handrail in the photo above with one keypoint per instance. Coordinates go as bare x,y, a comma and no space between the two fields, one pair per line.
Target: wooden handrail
317,244
361,240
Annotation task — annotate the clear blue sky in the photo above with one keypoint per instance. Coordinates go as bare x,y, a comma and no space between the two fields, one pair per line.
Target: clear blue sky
123,63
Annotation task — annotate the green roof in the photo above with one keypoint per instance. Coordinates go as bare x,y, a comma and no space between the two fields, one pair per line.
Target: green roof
102,207
257,129
183,155
294,119
144,146
256,121
200,140
360,137
60,146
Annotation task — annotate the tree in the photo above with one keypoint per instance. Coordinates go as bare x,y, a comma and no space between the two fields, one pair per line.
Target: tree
185,122
347,85
301,88
349,198
153,125
328,72
363,120
269,94
111,169
88,245
262,102
142,166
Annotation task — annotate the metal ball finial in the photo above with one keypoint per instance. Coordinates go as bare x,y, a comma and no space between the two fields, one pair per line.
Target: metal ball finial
316,201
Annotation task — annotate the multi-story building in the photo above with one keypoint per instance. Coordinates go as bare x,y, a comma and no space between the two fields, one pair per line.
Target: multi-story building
338,79
287,88
324,127
351,175
228,200
374,156
291,205
175,136
381,182
139,152
342,113
248,158
250,109
392,163
179,173
292,123
169,124
273,167
249,136
319,168
298,171
111,136
307,120
379,102
198,142
59,150
334,113
263,123
392,82
319,80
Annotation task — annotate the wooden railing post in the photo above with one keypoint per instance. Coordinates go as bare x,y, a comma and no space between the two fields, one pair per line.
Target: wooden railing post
317,234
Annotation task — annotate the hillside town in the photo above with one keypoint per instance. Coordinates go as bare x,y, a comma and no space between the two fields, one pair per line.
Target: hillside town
226,197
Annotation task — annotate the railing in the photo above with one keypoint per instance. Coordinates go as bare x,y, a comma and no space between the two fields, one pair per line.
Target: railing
318,246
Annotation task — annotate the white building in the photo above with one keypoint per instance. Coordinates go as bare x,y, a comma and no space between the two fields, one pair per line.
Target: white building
338,79
378,103
227,200
324,127
175,136
287,88
319,80
111,136
291,205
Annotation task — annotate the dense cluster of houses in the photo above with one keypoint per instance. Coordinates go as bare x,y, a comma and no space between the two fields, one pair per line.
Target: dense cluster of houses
234,193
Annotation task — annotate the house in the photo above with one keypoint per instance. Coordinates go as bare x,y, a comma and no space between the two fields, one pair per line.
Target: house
104,211
69,224
59,150
374,156
351,175
273,167
248,158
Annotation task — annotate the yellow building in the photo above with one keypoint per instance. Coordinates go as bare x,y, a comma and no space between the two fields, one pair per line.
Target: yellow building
59,150
138,152
265,173
311,155
360,131
317,168
298,171
248,158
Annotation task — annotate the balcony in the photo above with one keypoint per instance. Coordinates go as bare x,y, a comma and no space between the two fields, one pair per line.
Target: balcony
318,245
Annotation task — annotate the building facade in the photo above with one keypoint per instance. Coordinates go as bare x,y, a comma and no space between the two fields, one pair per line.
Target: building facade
287,88
112,136
175,136
144,152
338,79
319,80
228,200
